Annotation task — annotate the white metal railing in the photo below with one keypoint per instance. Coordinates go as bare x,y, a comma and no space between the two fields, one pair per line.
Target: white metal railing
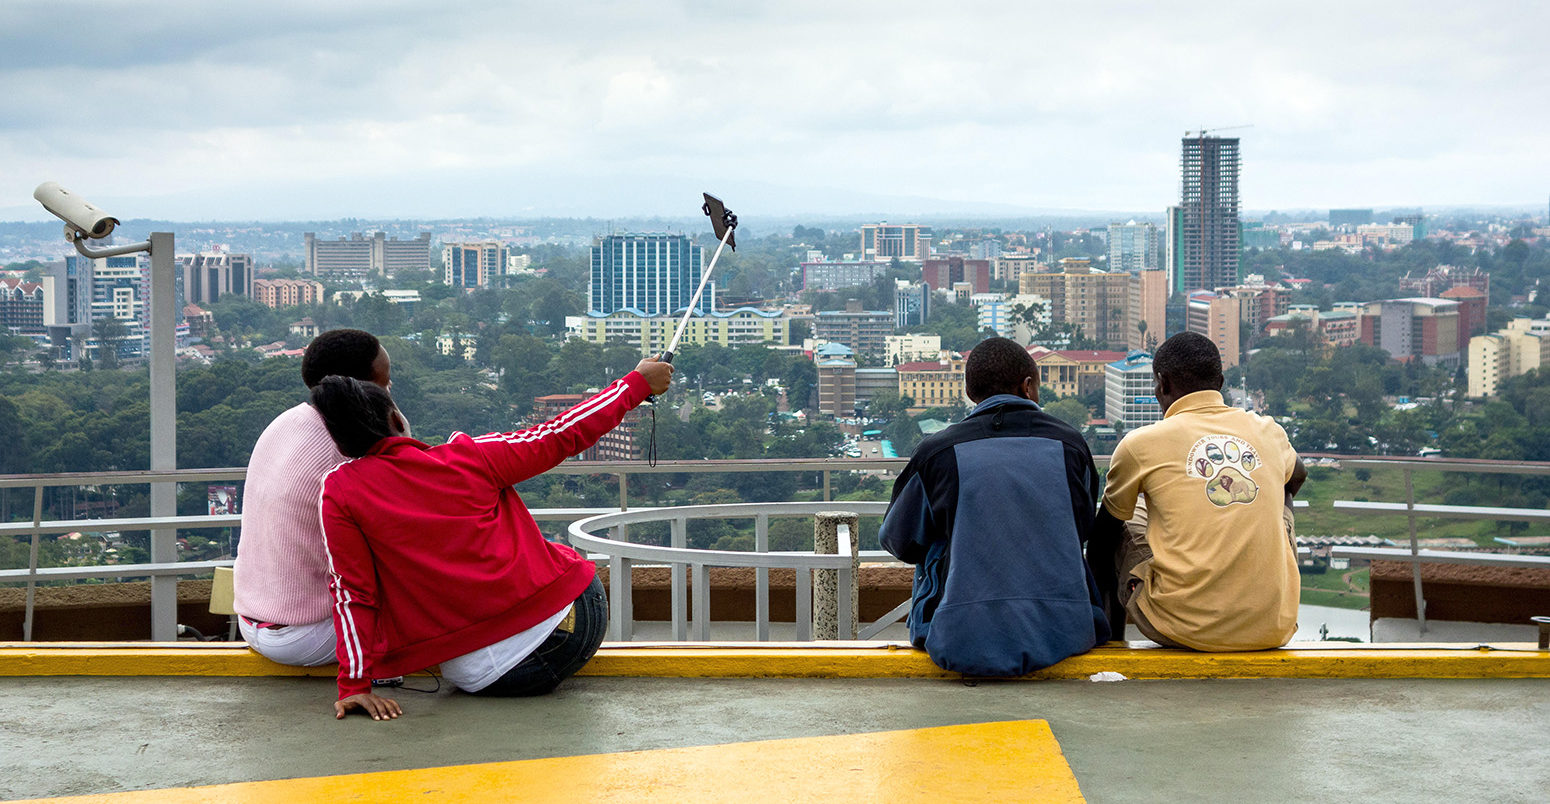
623,556
163,572
1414,511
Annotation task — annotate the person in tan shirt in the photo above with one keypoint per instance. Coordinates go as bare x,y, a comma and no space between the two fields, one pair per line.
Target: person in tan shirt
1197,512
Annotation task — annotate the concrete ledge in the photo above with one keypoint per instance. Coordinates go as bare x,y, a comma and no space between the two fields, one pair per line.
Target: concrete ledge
834,660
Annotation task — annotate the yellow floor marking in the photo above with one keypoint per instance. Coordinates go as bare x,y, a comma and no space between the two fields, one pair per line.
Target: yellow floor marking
1017,760
846,660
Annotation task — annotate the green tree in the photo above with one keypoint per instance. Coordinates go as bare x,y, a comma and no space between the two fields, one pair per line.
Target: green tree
1070,411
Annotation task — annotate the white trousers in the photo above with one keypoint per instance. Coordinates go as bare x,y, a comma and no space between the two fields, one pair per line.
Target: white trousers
307,645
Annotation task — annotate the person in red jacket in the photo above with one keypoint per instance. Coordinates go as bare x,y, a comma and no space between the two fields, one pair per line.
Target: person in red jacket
433,558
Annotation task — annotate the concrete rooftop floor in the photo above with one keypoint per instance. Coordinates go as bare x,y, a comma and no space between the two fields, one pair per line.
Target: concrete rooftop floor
1210,740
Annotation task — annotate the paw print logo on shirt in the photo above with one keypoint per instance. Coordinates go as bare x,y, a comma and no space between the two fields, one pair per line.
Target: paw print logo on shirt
1227,464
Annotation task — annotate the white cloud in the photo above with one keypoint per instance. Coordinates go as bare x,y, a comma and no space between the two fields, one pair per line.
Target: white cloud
460,108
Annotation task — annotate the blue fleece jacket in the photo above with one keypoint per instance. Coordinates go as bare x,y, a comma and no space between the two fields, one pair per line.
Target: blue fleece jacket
993,513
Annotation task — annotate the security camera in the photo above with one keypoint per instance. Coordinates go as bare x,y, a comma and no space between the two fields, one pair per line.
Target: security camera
80,217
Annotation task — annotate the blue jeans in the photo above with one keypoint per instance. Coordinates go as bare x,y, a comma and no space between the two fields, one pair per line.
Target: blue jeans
562,654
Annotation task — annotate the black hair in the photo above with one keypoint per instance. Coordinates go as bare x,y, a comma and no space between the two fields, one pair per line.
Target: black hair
1191,362
345,352
356,413
997,366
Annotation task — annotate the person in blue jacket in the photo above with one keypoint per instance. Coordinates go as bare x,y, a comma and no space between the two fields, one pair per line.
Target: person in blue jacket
994,512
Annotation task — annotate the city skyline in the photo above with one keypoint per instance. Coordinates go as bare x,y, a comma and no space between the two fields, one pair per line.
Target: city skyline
291,112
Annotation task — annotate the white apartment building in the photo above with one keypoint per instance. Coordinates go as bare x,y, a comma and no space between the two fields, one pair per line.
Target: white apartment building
1495,358
1128,395
911,348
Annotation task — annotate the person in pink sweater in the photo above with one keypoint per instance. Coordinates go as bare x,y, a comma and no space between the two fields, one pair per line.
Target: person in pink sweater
281,575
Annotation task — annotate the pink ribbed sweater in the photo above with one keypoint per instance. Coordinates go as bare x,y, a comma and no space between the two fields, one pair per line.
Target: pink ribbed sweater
281,574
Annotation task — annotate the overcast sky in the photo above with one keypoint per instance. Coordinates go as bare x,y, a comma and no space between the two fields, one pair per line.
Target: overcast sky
327,108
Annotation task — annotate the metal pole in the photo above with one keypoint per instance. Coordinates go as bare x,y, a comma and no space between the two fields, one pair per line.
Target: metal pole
1415,552
164,434
672,346
32,562
680,541
761,585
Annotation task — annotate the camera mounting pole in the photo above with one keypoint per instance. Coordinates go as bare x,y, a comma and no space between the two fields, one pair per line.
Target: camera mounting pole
82,221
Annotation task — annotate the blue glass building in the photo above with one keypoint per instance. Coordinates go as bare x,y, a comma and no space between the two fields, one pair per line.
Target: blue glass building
653,274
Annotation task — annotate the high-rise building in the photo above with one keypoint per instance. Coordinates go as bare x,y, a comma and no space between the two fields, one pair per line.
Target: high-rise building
1134,247
1216,316
1128,395
1011,267
1209,226
836,386
911,348
79,292
1520,348
360,256
1415,220
1096,301
651,334
864,331
945,272
210,275
1173,244
907,241
21,307
653,274
911,303
1415,329
831,275
1145,321
471,265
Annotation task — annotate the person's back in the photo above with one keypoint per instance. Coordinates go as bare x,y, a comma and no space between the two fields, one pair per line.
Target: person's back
993,512
1210,563
280,577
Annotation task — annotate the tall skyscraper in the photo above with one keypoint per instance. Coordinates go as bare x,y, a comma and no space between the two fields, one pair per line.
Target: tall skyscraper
653,274
471,265
911,303
210,275
1207,249
1134,247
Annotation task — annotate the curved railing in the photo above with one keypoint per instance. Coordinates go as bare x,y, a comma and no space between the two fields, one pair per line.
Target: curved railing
622,555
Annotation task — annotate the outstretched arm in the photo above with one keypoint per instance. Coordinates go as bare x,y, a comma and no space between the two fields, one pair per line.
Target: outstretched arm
516,456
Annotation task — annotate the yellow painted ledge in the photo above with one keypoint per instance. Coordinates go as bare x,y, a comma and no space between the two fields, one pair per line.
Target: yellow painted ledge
833,660
1015,760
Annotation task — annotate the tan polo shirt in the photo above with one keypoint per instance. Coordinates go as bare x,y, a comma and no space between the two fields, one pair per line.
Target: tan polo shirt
1223,575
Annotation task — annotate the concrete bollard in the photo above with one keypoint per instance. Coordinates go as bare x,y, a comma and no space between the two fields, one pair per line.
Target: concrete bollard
826,602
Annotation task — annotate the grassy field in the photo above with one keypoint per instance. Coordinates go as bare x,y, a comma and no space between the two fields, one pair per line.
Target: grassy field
1330,589
1385,485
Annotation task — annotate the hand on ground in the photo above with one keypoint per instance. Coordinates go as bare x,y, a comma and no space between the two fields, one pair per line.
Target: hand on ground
378,707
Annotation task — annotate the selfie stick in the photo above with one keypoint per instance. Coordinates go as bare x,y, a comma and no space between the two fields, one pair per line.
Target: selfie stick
723,222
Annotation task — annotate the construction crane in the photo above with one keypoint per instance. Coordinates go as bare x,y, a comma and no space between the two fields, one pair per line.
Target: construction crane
1204,131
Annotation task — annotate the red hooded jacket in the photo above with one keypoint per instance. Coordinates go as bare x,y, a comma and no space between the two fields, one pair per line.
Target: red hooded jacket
433,555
